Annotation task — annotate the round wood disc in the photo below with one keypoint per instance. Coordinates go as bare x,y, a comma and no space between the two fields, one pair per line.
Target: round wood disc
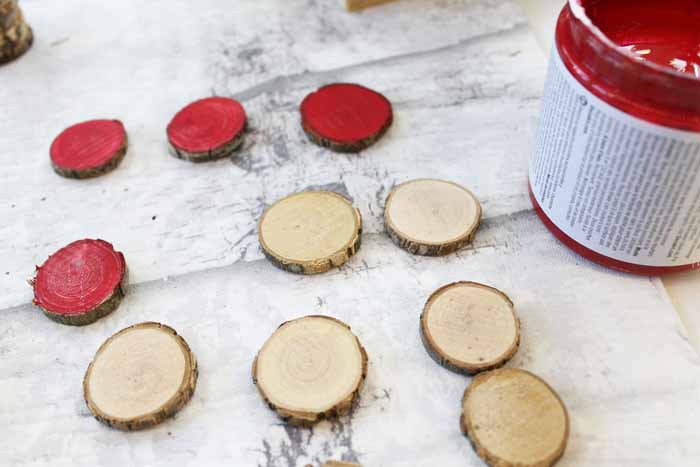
311,368
89,149
345,117
140,376
469,327
15,35
514,419
310,232
431,217
207,129
81,282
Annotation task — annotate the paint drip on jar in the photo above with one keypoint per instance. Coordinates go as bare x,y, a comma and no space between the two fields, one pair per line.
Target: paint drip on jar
616,169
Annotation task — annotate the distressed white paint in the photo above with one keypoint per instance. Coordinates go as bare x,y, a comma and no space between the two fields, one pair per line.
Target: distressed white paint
465,77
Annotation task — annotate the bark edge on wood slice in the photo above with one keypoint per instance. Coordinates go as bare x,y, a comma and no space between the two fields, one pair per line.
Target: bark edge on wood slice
89,149
180,396
207,129
311,355
345,117
60,284
15,34
525,422
415,220
357,5
284,229
446,336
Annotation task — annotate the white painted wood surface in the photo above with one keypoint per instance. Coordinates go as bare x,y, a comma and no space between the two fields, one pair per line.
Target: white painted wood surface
465,77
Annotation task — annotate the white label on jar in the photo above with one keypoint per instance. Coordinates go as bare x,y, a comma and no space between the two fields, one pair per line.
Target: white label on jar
622,187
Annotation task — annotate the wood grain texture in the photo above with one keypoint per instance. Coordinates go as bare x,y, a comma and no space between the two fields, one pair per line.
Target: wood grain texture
514,419
140,376
431,217
462,76
310,232
310,369
469,327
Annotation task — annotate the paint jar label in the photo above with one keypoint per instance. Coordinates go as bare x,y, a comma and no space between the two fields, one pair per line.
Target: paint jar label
618,185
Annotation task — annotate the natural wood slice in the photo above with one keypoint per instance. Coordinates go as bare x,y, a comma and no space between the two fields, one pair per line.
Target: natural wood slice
469,327
140,376
310,232
15,35
514,419
311,368
207,129
81,282
89,149
431,217
345,117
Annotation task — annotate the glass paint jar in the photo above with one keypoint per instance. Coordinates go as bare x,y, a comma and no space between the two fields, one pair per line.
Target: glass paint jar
616,170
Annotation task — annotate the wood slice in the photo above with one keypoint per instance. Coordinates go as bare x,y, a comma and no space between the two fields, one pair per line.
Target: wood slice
431,217
310,232
514,419
81,282
345,117
469,327
311,368
140,376
15,35
89,149
207,129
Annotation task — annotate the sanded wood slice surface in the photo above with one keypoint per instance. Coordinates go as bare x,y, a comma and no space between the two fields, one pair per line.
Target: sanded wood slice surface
140,376
345,117
89,149
15,34
207,129
310,368
431,217
469,327
514,419
310,232
81,282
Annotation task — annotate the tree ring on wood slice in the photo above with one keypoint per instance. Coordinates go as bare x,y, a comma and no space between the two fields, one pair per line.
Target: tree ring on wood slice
15,35
89,149
345,117
310,368
310,232
514,419
469,327
431,217
207,129
140,376
81,282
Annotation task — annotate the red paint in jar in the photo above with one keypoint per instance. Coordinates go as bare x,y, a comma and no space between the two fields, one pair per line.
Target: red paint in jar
616,170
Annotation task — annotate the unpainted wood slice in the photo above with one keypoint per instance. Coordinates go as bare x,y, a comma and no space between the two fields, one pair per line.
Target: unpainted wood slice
81,282
345,117
140,376
89,149
431,217
514,419
311,368
207,129
310,232
357,5
15,34
469,327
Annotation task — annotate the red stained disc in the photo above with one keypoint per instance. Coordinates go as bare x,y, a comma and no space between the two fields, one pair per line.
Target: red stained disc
88,145
79,277
207,124
346,114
